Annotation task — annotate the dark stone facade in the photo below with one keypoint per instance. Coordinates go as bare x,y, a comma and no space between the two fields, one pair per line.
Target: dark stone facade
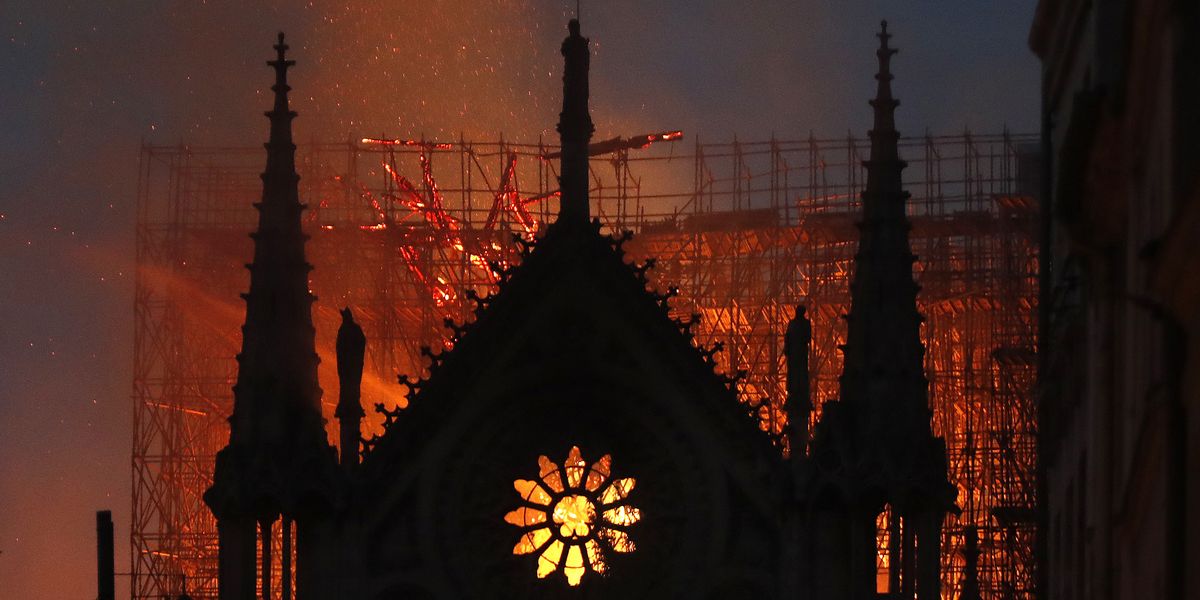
574,411
1119,380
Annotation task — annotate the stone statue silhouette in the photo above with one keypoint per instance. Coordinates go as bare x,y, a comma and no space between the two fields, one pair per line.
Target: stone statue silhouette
796,342
351,347
575,81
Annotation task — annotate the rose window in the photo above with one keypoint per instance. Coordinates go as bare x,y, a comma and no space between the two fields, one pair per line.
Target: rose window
572,515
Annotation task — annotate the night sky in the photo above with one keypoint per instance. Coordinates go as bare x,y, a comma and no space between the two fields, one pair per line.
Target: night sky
83,83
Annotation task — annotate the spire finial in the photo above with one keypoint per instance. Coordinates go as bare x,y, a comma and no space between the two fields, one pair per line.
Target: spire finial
281,65
884,103
281,150
885,52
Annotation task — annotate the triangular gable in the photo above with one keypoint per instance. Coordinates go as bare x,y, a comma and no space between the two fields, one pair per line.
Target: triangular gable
573,351
571,293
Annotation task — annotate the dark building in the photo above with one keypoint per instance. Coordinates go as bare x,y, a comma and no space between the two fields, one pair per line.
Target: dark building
575,442
1120,373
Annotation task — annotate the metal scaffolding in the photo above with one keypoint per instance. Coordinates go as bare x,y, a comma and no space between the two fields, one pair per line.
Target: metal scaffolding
401,229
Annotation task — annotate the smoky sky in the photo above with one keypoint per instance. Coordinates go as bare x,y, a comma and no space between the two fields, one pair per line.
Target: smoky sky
82,84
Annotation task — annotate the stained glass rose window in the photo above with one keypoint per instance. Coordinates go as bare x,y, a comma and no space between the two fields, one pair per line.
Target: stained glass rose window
573,514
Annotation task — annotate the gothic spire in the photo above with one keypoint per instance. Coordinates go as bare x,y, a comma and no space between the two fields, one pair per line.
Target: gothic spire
276,406
876,442
278,458
884,370
575,129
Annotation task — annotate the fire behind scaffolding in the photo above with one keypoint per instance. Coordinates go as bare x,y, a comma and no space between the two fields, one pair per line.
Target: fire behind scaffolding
406,231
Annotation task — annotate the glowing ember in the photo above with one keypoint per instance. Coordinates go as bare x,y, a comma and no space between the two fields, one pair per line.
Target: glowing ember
409,143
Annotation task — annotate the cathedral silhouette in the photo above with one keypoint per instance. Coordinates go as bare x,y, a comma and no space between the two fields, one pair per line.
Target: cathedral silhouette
575,442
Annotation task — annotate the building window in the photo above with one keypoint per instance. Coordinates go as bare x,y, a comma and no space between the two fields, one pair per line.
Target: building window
572,514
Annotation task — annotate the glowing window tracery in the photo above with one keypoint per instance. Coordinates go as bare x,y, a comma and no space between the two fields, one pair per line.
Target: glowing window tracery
572,515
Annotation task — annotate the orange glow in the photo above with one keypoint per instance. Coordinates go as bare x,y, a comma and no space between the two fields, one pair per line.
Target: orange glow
404,252
570,509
